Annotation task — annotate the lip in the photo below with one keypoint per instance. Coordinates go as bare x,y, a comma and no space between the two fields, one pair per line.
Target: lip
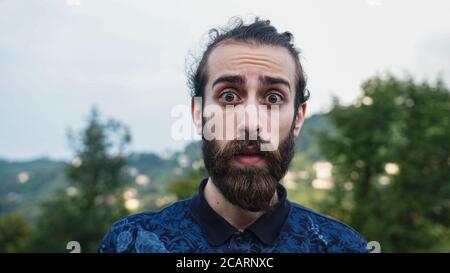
249,159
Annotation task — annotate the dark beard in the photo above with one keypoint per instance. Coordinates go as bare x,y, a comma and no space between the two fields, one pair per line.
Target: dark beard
249,187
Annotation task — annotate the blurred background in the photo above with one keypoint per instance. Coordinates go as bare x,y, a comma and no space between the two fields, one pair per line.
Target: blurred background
87,89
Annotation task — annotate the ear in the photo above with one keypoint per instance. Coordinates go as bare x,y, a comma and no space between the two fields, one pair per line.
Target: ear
196,111
299,118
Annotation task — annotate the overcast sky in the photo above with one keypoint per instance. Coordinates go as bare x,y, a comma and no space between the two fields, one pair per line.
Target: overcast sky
60,57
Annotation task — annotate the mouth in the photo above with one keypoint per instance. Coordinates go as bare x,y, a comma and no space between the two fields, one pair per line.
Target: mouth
249,159
249,156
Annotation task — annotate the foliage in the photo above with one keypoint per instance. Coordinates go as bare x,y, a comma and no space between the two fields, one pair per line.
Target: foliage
390,153
93,199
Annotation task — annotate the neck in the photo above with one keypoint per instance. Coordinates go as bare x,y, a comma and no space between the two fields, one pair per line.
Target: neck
238,217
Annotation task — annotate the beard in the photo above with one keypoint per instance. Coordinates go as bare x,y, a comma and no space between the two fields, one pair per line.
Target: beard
249,187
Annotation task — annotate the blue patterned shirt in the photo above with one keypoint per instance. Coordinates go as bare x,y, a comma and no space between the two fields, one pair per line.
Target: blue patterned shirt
193,226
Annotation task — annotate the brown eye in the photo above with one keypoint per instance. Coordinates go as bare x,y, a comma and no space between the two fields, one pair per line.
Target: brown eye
274,98
229,96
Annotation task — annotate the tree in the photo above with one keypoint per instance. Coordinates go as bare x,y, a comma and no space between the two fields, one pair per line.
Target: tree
93,199
187,185
14,232
390,157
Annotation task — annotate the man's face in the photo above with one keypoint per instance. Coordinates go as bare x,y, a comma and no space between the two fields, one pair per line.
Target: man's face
251,77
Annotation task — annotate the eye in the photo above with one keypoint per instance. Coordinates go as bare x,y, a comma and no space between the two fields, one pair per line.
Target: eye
229,97
274,98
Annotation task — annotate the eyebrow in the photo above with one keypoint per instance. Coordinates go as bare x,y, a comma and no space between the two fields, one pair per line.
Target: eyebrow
240,80
230,79
268,80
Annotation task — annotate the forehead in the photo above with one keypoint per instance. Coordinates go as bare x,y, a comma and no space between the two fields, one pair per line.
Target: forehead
251,60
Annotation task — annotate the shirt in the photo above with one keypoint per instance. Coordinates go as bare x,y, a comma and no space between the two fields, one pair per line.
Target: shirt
191,225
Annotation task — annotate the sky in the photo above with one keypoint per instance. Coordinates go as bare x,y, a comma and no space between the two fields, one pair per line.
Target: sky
58,58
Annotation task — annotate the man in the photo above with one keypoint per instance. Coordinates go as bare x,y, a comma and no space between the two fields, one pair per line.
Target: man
241,206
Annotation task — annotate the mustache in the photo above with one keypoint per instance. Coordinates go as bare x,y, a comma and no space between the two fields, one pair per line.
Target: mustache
244,147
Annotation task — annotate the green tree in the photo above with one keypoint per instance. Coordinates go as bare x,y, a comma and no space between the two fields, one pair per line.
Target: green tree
390,153
187,185
93,199
14,232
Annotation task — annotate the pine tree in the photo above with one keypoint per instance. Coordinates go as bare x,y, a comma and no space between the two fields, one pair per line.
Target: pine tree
93,199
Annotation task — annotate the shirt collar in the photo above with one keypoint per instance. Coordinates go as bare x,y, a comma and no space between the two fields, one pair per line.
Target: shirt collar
267,227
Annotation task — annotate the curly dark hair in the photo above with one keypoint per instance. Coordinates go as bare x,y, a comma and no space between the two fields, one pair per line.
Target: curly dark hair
259,32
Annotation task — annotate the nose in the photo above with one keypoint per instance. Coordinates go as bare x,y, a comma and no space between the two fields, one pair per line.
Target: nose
248,120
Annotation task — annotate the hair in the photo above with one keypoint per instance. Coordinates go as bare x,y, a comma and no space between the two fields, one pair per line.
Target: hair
260,32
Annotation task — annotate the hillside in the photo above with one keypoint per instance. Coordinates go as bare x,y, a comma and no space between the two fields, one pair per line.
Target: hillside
23,185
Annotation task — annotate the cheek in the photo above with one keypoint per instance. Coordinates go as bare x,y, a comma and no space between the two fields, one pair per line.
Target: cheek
286,119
